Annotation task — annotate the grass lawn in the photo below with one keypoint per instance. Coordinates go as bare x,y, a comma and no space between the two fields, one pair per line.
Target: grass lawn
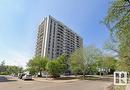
90,78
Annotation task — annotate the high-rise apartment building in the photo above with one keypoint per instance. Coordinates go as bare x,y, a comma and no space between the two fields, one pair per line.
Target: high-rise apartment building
54,38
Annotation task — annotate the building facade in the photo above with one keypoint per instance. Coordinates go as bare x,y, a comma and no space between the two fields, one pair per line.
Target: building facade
54,38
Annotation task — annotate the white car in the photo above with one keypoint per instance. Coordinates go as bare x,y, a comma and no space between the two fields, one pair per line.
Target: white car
27,77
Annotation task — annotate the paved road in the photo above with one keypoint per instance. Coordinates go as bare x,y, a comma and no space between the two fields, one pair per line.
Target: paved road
42,85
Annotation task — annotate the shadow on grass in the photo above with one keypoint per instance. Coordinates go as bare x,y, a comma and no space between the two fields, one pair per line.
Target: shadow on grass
81,78
65,78
110,79
29,80
89,78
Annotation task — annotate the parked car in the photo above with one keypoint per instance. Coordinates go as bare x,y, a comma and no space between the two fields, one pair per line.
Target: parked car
27,77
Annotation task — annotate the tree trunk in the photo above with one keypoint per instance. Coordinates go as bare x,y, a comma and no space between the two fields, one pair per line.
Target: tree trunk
84,73
40,74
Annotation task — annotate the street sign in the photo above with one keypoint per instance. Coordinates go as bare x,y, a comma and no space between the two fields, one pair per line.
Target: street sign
120,78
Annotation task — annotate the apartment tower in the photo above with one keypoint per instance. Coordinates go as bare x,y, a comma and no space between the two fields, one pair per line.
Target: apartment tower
54,38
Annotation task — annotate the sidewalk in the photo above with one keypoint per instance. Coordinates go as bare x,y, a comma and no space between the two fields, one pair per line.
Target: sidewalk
55,81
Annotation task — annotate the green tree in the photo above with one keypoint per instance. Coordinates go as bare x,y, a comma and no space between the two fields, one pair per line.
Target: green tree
54,68
123,65
63,60
112,45
8,69
37,65
2,66
82,59
57,66
92,69
118,22
110,63
13,69
107,63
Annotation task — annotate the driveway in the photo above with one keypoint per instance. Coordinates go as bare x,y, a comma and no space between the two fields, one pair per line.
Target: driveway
43,85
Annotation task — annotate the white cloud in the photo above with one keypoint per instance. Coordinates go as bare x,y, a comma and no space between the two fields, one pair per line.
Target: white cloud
14,57
17,58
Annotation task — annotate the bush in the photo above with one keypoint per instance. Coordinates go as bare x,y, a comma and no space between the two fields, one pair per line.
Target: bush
76,71
4,73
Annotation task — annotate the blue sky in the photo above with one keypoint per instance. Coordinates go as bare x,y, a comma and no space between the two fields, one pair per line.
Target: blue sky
19,20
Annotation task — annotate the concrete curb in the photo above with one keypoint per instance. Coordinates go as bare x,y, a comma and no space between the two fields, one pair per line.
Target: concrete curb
55,81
